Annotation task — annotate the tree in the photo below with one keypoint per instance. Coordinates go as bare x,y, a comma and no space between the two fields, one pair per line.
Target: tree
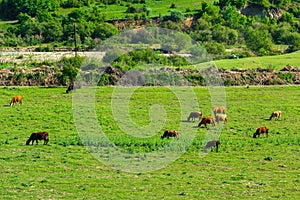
176,16
215,48
236,3
201,24
259,40
12,8
104,31
52,31
224,34
70,68
232,18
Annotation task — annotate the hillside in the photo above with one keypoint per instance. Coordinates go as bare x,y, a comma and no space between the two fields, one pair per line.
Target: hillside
243,36
247,27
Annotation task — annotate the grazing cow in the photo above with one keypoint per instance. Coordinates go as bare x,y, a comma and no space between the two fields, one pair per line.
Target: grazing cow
261,130
38,136
221,117
207,120
194,115
70,88
276,114
211,144
170,133
16,99
219,110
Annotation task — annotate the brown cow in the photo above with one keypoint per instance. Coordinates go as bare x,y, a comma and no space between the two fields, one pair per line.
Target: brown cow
211,144
207,120
261,130
221,117
194,115
219,110
38,136
16,99
170,133
276,114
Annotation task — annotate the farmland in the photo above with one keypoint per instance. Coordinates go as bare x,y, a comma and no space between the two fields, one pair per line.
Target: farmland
244,167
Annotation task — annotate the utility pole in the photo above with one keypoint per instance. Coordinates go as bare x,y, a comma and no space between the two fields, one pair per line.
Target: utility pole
75,42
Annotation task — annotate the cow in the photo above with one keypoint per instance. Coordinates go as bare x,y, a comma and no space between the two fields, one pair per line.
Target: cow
276,114
221,117
194,115
38,136
16,99
219,110
70,88
211,144
207,120
261,130
170,133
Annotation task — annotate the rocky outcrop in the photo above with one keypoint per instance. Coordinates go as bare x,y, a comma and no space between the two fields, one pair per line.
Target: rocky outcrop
42,76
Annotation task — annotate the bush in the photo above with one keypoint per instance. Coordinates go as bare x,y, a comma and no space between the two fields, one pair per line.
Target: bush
215,48
70,69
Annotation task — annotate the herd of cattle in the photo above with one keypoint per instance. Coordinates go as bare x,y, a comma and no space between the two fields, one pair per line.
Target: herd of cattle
219,116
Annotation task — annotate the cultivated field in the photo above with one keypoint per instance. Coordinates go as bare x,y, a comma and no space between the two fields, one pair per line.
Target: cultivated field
244,167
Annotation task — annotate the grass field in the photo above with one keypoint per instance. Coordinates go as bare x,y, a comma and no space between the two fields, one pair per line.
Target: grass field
272,62
244,167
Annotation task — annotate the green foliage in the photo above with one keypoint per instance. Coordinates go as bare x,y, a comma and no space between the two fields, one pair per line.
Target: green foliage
176,16
104,31
70,69
42,22
234,3
12,8
215,48
259,40
225,35
112,55
286,76
139,58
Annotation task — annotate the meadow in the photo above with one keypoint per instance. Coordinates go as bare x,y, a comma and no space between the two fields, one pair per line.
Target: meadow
265,62
244,167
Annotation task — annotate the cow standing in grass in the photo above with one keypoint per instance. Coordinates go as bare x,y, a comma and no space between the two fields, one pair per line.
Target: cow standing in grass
219,110
276,114
207,120
38,136
15,100
170,133
194,115
261,130
221,118
211,144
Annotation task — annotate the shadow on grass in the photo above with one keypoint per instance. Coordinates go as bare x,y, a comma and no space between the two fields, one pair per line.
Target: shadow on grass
188,121
267,119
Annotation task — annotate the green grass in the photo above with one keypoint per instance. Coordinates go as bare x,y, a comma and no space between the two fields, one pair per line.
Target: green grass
157,8
244,167
273,62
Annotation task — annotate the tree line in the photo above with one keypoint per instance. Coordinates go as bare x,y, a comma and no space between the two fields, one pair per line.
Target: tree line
218,26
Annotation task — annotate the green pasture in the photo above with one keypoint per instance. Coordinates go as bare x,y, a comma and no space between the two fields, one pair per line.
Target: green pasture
272,62
244,167
158,8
